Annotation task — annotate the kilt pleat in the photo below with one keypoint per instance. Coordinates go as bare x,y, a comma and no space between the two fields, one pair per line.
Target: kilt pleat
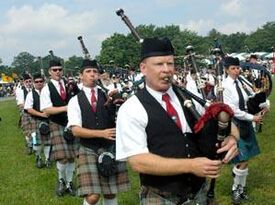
61,149
89,181
26,124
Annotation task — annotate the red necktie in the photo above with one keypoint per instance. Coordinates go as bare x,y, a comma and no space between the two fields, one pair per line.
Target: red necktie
62,91
93,100
171,111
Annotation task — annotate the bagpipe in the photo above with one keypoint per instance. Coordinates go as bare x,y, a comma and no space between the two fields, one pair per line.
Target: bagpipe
260,92
190,57
217,115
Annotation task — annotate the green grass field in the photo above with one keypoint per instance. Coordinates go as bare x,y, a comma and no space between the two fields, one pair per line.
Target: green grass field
23,184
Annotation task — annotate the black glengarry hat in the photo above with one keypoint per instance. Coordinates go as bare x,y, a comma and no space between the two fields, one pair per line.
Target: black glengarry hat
228,61
54,63
87,63
26,76
156,47
37,75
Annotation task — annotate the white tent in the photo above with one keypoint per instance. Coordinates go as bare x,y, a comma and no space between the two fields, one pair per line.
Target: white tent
240,56
269,56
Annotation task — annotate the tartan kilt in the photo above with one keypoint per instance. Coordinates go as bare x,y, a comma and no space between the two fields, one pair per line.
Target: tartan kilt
248,147
40,139
89,181
60,148
25,123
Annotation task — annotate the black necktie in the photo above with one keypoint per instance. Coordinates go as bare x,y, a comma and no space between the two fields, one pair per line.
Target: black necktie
241,98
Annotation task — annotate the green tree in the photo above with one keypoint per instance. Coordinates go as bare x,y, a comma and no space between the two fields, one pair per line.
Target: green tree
119,48
126,50
262,39
235,42
72,65
23,62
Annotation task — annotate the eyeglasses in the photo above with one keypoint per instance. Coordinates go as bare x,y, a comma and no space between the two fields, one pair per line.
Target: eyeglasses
39,81
234,67
57,69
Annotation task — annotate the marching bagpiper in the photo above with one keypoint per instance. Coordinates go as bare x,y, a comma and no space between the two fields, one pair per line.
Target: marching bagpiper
54,101
38,123
21,95
92,120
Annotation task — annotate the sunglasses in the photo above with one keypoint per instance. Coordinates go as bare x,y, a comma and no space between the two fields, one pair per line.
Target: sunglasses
39,81
57,69
235,67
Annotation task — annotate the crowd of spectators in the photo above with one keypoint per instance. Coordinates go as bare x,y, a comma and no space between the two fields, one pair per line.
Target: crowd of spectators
7,89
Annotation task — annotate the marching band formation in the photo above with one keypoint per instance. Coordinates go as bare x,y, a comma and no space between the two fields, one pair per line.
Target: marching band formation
174,125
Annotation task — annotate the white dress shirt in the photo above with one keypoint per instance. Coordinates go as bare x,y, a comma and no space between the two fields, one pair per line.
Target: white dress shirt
20,95
45,98
231,97
29,100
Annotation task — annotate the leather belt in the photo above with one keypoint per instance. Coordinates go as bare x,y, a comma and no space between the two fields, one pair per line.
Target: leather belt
175,198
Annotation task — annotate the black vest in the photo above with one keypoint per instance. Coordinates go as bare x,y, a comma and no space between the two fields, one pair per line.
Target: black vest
164,138
25,92
36,100
60,118
36,104
102,119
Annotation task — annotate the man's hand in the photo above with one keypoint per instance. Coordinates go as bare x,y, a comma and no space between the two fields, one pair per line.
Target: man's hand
258,118
109,134
204,167
229,145
43,114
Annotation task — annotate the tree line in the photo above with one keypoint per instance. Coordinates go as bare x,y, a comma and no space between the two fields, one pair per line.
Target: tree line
123,49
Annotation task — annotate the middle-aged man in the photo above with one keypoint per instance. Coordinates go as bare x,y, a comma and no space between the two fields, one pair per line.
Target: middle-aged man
32,105
21,95
155,136
53,102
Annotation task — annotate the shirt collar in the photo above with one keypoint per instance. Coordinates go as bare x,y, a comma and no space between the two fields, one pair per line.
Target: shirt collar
158,95
55,82
230,80
88,90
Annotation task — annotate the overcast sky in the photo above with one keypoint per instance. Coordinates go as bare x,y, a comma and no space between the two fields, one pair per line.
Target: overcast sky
38,26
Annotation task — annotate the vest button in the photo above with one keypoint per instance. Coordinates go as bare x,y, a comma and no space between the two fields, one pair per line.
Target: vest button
187,145
188,155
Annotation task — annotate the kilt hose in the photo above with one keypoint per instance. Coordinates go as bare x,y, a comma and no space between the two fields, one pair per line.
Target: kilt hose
89,181
60,148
